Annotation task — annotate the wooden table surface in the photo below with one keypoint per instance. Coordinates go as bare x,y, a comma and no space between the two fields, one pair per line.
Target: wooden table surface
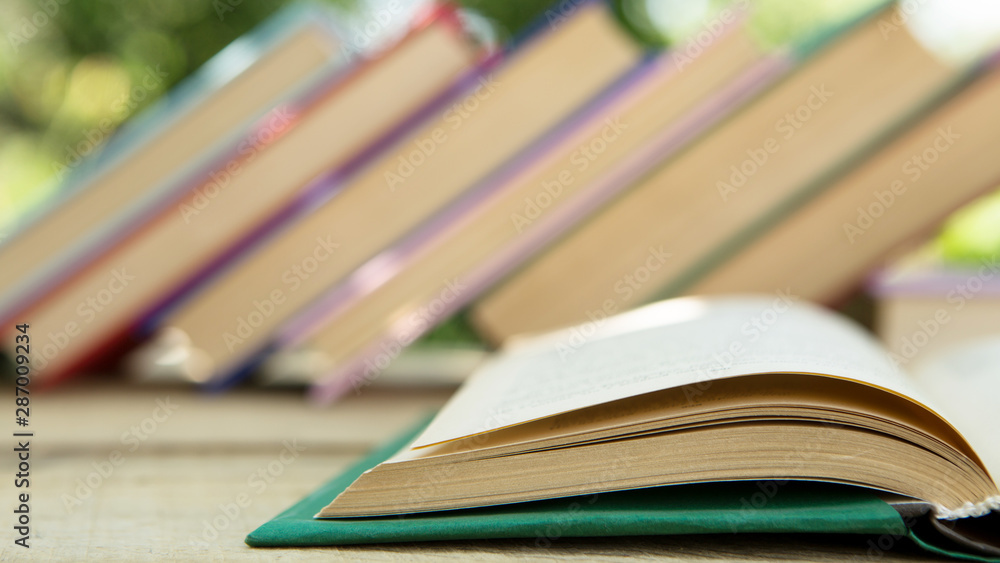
157,497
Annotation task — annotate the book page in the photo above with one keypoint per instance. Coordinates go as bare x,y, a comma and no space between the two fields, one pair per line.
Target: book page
674,343
963,381
827,399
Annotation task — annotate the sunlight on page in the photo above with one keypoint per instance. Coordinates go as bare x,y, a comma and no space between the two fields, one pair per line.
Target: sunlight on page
660,314
963,380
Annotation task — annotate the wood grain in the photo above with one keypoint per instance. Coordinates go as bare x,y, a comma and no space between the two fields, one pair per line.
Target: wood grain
173,497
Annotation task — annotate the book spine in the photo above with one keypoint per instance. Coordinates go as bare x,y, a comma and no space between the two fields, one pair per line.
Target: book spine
330,184
314,196
231,374
147,315
184,98
361,368
745,238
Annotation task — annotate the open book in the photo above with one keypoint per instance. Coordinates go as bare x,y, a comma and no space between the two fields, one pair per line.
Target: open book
685,391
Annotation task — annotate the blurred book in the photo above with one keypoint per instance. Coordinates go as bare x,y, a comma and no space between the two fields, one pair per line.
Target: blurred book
284,161
646,117
926,306
170,358
428,365
901,192
682,220
501,108
150,161
302,210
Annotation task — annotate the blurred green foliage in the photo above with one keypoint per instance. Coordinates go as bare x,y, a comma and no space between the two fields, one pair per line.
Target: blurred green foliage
67,65
973,233
455,330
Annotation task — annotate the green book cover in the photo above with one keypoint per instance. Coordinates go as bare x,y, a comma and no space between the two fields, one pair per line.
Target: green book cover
710,508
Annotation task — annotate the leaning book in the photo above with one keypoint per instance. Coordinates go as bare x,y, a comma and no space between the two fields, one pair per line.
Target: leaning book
689,391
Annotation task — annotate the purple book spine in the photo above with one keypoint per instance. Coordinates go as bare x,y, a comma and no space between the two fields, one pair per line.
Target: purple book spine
367,279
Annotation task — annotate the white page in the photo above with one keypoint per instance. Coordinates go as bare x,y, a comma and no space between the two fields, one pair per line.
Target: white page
668,344
964,381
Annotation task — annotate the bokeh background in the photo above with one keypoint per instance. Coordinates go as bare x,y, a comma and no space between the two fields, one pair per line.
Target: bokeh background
66,65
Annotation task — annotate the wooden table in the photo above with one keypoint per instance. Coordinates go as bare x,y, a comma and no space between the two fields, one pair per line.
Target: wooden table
158,496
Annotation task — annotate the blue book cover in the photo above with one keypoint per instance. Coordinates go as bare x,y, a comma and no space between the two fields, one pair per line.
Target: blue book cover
53,264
